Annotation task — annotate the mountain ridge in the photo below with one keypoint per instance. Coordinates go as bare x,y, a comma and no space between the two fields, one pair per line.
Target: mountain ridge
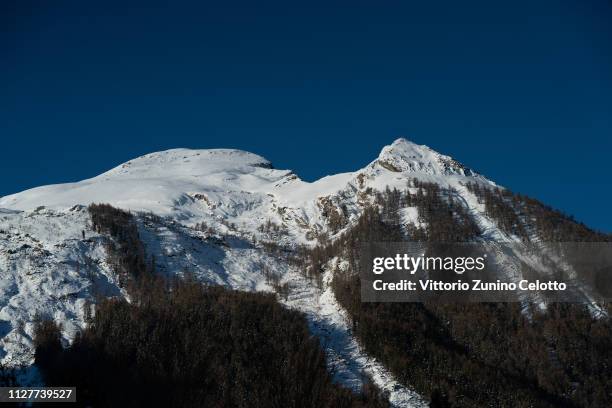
183,162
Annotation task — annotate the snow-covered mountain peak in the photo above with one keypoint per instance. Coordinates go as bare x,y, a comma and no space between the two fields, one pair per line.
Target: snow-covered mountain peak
180,162
159,182
405,156
405,145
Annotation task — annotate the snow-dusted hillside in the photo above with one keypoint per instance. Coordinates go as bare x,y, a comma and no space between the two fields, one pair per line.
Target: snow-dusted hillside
48,266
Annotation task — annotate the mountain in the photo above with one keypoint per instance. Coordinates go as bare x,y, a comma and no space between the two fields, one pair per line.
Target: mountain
224,186
211,213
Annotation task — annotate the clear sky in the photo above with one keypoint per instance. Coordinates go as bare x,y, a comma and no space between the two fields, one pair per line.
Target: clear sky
521,91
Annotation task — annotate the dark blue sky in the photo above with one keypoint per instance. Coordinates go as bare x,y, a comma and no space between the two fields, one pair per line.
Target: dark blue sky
520,90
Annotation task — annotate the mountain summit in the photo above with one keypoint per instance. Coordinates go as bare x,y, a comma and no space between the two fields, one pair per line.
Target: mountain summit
160,182
405,156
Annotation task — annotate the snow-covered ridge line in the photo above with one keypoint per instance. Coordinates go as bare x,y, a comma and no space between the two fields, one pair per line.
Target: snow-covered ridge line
231,187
